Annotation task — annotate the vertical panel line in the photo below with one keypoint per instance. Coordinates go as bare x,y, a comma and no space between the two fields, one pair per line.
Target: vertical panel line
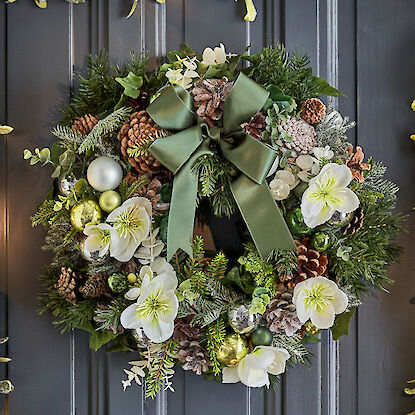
332,76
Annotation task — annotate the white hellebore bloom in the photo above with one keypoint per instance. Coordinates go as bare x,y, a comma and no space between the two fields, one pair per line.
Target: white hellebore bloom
283,182
132,221
319,299
156,306
328,193
99,238
253,369
215,56
323,153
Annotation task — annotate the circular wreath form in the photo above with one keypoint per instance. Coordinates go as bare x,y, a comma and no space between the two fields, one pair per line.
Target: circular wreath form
138,155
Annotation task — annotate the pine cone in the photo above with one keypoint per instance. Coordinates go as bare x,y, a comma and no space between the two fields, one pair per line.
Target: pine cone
311,263
139,103
152,193
313,110
302,135
183,330
256,125
84,124
67,284
355,163
281,315
135,137
356,223
95,286
209,97
193,357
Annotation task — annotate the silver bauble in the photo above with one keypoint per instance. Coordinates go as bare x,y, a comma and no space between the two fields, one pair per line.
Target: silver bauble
142,340
66,184
241,319
92,257
340,220
104,173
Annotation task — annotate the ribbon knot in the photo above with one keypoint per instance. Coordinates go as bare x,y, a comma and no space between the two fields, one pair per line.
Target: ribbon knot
173,110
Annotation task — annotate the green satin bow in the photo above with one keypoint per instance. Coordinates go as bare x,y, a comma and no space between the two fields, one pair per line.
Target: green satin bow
173,110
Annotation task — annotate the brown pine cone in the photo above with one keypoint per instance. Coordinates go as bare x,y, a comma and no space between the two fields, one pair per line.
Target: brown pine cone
256,125
95,286
139,103
193,356
67,284
135,138
355,163
310,263
356,223
313,110
281,315
183,330
209,98
84,124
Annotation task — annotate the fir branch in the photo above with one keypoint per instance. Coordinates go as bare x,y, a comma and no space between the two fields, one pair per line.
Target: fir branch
217,267
47,214
69,137
104,127
134,189
215,334
109,316
161,362
195,264
294,346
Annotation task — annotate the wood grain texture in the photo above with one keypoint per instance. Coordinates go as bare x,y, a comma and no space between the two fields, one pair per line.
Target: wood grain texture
40,51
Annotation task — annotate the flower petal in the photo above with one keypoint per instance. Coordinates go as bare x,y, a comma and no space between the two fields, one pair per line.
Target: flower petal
340,302
158,331
129,318
230,374
303,313
322,217
133,293
254,378
349,201
323,318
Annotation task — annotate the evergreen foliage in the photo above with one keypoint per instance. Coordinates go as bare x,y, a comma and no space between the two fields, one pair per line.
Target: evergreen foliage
215,334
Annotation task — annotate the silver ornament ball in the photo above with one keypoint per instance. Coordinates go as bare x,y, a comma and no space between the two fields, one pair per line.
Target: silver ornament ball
241,319
92,257
340,219
66,184
104,173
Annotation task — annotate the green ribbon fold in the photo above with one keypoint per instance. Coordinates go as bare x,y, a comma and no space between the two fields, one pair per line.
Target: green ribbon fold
173,110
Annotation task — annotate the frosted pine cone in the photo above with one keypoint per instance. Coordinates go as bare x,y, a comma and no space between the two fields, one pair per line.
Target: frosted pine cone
193,357
281,315
67,284
256,125
302,136
313,110
209,97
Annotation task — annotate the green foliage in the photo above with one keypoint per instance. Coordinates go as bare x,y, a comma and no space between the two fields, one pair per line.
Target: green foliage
215,334
161,367
99,91
108,318
217,267
288,72
126,191
215,175
341,324
47,214
293,344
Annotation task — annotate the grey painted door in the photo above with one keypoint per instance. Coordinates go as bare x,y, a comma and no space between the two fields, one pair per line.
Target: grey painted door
363,46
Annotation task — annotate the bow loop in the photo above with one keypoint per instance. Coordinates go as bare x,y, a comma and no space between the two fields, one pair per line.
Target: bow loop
173,110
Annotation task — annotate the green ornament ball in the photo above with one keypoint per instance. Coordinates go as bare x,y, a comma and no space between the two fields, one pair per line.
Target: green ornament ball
117,283
295,222
109,200
261,337
84,213
234,347
320,241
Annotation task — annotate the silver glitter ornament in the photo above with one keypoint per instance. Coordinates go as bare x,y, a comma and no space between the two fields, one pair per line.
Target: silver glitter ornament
92,257
241,319
340,219
66,184
104,173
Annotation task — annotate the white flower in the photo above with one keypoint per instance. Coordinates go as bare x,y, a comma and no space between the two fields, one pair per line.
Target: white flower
328,193
132,221
183,79
99,238
145,276
156,306
283,182
319,300
215,56
150,249
323,153
309,167
253,369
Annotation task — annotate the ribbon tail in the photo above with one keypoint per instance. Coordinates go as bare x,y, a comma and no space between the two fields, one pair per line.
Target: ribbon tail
262,216
183,206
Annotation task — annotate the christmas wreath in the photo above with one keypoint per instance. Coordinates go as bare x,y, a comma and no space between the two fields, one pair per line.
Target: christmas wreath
140,154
